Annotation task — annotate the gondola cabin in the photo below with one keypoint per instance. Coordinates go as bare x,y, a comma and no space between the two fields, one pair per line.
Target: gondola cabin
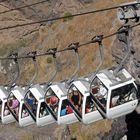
115,96
34,102
82,103
17,107
6,116
58,104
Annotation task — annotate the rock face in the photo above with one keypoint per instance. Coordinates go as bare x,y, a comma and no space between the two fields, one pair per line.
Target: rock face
120,48
132,64
118,129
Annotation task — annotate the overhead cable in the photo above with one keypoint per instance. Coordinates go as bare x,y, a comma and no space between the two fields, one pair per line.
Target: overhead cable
21,7
63,17
67,48
3,0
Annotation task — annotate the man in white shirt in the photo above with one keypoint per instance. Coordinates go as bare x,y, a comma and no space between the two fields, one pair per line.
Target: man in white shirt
102,94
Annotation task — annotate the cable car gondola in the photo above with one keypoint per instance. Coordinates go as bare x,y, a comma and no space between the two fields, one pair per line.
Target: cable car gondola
58,104
34,101
114,95
114,90
80,98
15,102
17,107
5,115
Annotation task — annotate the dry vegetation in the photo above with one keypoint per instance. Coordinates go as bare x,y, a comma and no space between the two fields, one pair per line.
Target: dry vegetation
60,34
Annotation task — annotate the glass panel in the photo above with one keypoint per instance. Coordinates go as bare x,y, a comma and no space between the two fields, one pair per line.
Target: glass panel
100,92
90,107
6,110
123,95
24,112
43,110
31,102
13,104
76,98
52,101
66,108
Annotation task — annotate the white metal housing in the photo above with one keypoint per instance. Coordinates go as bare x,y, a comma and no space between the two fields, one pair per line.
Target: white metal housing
60,109
19,111
6,116
88,112
128,11
40,113
121,93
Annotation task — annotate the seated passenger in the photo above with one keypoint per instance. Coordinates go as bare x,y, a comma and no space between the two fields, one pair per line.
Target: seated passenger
6,111
63,111
30,99
76,98
88,109
102,94
48,100
25,113
14,103
89,105
34,107
69,109
53,100
43,112
94,89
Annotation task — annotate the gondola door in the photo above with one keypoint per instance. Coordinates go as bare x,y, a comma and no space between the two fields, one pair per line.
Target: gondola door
24,118
6,116
99,93
43,115
123,100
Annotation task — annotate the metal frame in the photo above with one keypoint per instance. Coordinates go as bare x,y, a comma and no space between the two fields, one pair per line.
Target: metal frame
19,93
5,93
63,87
123,29
129,11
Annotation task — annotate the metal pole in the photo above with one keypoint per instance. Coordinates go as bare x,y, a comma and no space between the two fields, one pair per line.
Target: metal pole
33,55
13,82
74,47
53,53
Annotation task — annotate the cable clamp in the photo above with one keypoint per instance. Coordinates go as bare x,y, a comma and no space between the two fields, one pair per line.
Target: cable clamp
97,39
14,56
124,29
74,46
52,51
32,55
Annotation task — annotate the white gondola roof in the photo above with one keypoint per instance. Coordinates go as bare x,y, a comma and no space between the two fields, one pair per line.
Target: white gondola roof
37,91
82,86
108,79
3,93
18,92
59,89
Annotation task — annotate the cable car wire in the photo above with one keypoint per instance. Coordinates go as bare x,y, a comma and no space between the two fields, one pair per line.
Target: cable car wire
67,48
63,17
25,6
3,0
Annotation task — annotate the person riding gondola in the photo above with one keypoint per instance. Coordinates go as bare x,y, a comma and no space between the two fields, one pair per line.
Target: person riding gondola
76,98
102,93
